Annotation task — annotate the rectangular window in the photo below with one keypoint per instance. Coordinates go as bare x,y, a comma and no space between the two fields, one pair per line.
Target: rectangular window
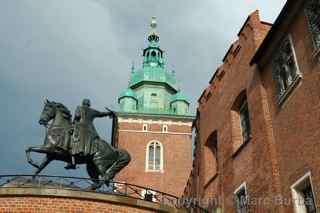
303,196
240,197
245,121
145,127
165,128
285,69
312,11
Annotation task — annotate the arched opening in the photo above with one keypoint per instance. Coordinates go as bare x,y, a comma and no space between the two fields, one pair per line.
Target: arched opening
241,128
154,156
211,157
153,53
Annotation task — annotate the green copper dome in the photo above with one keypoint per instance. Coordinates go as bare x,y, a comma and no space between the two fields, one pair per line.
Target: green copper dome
152,88
128,93
179,96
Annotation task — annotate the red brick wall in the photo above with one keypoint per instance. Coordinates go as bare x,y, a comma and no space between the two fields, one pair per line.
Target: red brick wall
177,146
285,139
250,163
296,123
28,204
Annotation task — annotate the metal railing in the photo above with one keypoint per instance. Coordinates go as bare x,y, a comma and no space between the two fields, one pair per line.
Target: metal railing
84,184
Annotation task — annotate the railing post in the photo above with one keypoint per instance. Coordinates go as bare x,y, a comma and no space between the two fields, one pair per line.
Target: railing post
162,198
39,181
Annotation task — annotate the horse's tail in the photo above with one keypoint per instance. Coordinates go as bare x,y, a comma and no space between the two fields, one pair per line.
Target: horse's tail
124,157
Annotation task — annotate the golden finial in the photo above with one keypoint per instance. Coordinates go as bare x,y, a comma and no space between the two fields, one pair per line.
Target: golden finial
153,23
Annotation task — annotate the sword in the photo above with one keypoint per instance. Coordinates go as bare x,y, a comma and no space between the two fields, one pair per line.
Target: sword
112,112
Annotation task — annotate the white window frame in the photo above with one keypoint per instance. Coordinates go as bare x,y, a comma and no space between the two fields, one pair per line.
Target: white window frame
165,128
235,193
286,93
297,198
145,128
147,157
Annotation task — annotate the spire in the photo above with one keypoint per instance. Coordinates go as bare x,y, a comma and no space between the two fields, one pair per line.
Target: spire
153,35
132,67
153,54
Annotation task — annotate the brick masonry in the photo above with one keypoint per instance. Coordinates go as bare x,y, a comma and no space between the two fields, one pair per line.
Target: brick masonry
284,141
47,200
177,154
28,204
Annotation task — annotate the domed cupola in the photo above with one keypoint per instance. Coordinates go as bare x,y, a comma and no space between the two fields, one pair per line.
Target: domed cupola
179,104
153,55
128,100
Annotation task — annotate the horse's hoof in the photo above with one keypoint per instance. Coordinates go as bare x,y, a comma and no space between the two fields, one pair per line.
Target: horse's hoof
95,186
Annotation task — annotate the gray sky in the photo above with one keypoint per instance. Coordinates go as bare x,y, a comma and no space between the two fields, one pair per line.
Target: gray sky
67,50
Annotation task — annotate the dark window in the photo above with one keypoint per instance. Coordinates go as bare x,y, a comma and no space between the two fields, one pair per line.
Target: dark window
241,201
285,69
153,53
244,120
312,11
308,199
153,94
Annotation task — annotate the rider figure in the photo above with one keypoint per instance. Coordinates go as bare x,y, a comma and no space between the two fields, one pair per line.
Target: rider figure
84,134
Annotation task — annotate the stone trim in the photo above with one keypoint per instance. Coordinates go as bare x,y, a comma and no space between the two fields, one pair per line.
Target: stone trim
297,202
150,121
154,132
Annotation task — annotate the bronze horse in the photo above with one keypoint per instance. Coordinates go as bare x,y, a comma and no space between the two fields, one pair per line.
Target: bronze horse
104,163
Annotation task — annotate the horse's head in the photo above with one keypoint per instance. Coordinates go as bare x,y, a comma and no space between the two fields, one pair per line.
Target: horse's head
48,112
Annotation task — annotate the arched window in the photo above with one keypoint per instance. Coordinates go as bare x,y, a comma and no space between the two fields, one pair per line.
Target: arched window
154,156
241,128
153,53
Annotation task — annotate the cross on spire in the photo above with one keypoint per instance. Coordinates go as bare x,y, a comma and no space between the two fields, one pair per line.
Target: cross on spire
153,35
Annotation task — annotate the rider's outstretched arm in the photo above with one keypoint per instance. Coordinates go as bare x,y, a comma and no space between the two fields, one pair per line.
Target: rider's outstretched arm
102,114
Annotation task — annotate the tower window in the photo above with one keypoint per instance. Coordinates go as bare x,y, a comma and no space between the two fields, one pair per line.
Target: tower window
303,196
154,94
285,69
165,128
153,53
240,198
154,160
145,127
313,15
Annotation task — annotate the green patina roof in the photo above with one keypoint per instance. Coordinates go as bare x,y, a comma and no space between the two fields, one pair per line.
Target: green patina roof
128,93
153,86
153,75
179,96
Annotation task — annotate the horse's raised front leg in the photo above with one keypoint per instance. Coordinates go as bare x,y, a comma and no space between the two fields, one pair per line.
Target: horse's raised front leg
46,160
37,149
29,159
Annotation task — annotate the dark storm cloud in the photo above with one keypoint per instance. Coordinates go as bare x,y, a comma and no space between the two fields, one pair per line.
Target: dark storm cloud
70,49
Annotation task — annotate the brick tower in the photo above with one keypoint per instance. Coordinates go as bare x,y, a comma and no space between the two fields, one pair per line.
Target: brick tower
154,124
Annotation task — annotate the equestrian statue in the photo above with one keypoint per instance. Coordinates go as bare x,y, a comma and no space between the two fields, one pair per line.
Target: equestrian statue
77,142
